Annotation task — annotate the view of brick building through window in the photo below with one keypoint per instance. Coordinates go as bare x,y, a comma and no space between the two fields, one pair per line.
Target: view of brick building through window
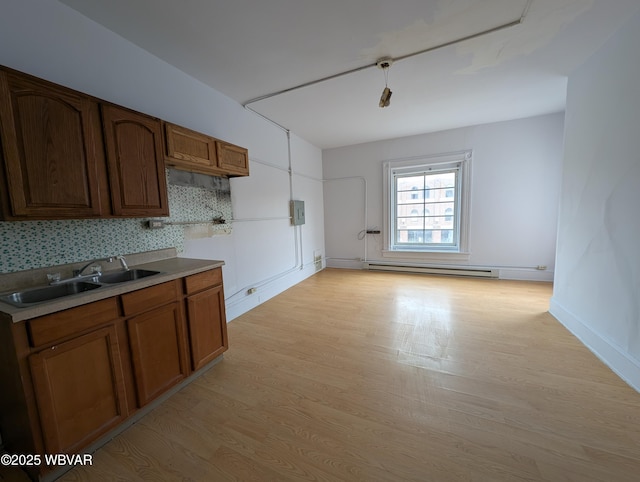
426,209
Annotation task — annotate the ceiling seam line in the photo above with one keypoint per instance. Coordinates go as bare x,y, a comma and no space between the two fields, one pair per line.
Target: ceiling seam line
505,26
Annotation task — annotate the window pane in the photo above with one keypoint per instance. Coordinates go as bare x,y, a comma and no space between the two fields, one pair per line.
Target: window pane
443,236
438,221
441,179
410,236
405,210
432,208
444,206
426,208
410,223
412,183
409,202
449,215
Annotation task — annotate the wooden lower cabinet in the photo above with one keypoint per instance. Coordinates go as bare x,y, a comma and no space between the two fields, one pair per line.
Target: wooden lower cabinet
207,326
69,378
158,351
79,390
206,317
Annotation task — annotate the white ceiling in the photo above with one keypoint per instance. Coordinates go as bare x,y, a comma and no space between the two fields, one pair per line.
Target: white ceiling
249,48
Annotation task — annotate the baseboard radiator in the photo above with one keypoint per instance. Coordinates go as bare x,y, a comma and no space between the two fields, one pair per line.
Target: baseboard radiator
440,270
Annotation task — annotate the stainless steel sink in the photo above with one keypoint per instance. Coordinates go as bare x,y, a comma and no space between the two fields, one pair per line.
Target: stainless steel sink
60,289
38,295
122,276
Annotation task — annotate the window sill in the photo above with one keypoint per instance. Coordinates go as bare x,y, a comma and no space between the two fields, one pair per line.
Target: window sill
434,256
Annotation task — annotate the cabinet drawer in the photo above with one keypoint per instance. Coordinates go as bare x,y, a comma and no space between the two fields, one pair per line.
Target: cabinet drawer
148,298
201,281
49,328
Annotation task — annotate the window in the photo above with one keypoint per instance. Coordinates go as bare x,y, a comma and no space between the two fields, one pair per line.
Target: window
437,221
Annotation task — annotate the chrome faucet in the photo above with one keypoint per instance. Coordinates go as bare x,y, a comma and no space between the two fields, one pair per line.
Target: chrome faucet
123,262
78,272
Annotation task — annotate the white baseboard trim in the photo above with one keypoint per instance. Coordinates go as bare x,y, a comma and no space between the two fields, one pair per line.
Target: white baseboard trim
621,363
344,263
525,274
519,274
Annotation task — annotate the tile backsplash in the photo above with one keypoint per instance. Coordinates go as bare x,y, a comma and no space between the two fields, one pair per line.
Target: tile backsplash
37,244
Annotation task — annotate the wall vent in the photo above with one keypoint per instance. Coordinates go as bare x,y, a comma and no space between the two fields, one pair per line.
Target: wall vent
440,270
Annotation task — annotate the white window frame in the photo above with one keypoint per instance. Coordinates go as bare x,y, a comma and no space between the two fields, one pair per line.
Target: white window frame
455,160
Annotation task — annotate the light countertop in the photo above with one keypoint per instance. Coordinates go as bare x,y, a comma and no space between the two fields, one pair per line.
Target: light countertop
170,269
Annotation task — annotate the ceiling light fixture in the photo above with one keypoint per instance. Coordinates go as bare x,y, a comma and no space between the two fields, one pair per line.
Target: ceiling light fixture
384,64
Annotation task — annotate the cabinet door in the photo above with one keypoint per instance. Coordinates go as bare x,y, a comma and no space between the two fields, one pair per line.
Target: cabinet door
52,151
232,159
79,390
207,326
158,350
190,150
136,163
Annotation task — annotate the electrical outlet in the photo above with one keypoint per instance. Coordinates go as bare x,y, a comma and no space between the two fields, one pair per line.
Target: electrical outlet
541,267
154,224
317,259
251,291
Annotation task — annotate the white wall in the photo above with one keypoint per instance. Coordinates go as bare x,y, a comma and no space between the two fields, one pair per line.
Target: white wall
597,287
516,172
49,40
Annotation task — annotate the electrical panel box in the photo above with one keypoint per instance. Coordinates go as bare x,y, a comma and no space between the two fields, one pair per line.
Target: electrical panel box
297,212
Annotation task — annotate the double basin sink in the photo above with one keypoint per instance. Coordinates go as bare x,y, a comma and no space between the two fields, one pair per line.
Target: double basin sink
32,296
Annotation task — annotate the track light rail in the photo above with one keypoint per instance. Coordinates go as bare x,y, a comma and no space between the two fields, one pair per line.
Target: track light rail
397,59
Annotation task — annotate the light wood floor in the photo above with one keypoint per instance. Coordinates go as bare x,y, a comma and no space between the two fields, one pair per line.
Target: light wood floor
354,375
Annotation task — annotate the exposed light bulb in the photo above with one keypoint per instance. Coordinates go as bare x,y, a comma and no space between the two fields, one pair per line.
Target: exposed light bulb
385,99
384,64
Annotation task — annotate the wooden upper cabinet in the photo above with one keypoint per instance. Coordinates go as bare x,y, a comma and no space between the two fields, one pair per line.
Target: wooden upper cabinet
193,151
232,159
135,162
52,158
190,150
67,155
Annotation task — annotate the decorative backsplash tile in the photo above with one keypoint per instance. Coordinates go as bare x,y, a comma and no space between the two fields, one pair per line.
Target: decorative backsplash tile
199,205
36,244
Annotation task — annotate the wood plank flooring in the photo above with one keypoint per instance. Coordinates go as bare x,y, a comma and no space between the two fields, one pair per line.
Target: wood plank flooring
356,375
